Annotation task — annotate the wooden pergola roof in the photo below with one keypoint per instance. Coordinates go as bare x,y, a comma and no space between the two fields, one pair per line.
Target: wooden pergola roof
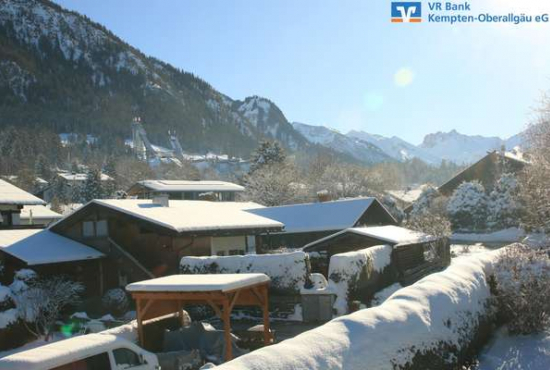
222,292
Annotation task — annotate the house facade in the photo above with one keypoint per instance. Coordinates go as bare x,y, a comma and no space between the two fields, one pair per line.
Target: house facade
144,238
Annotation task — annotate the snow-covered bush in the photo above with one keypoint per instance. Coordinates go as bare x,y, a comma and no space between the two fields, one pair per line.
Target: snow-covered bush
467,207
432,324
504,205
115,301
22,279
8,311
522,279
348,270
288,271
425,200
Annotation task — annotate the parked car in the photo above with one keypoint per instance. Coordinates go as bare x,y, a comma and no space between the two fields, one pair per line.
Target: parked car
86,352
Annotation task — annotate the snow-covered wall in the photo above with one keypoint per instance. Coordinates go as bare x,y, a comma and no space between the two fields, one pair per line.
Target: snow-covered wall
288,271
427,325
347,271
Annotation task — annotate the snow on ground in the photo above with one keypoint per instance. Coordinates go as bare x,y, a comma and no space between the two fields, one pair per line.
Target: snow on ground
523,352
34,344
442,308
509,235
462,250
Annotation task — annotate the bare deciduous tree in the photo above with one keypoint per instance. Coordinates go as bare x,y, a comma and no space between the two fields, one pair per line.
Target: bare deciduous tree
41,304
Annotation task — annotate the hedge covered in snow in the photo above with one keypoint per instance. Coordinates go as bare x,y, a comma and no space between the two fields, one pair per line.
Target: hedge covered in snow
429,325
347,271
288,271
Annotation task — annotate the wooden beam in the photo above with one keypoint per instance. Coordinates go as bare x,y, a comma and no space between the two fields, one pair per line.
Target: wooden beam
234,300
215,308
265,311
227,331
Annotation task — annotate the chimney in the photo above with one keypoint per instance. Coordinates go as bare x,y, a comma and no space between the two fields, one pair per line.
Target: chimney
161,199
323,196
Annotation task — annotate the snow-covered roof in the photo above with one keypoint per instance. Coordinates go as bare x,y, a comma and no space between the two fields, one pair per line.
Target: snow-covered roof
12,195
388,234
39,246
185,185
407,195
39,212
323,216
191,215
198,283
81,176
65,351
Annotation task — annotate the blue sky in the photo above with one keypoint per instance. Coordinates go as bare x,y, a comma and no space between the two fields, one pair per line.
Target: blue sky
341,63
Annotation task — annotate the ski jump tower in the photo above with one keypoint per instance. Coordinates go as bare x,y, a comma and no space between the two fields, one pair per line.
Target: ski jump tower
141,145
175,143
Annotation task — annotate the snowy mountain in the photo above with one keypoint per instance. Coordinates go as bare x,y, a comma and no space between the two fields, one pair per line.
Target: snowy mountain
459,148
69,74
396,147
355,147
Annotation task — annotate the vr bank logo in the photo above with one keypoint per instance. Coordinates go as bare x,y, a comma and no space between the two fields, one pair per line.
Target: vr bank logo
409,12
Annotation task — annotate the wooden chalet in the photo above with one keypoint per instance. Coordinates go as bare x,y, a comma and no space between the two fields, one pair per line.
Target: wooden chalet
185,190
414,253
487,171
305,223
142,239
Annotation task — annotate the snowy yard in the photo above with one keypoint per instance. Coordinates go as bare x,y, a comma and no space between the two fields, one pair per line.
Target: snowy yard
526,352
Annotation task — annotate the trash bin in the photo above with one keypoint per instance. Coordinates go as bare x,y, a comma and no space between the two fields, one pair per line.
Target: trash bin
317,301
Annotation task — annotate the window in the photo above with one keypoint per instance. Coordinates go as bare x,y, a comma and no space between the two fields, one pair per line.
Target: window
102,229
92,229
88,229
97,362
126,358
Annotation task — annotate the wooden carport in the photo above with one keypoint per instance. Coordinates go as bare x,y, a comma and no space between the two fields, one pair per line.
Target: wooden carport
222,292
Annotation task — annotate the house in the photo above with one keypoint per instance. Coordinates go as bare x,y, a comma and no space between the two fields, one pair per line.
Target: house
185,190
12,201
144,238
305,223
487,171
38,215
414,253
70,182
48,253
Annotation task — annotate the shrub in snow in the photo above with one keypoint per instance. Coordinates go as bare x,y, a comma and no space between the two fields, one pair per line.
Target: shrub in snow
8,311
433,324
288,271
522,279
425,200
115,301
350,272
43,302
22,279
505,209
467,207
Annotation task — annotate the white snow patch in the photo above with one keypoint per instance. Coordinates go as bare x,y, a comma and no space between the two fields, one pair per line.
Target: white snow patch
522,352
510,235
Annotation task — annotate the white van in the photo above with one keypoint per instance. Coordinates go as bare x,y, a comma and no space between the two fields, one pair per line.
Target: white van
87,352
